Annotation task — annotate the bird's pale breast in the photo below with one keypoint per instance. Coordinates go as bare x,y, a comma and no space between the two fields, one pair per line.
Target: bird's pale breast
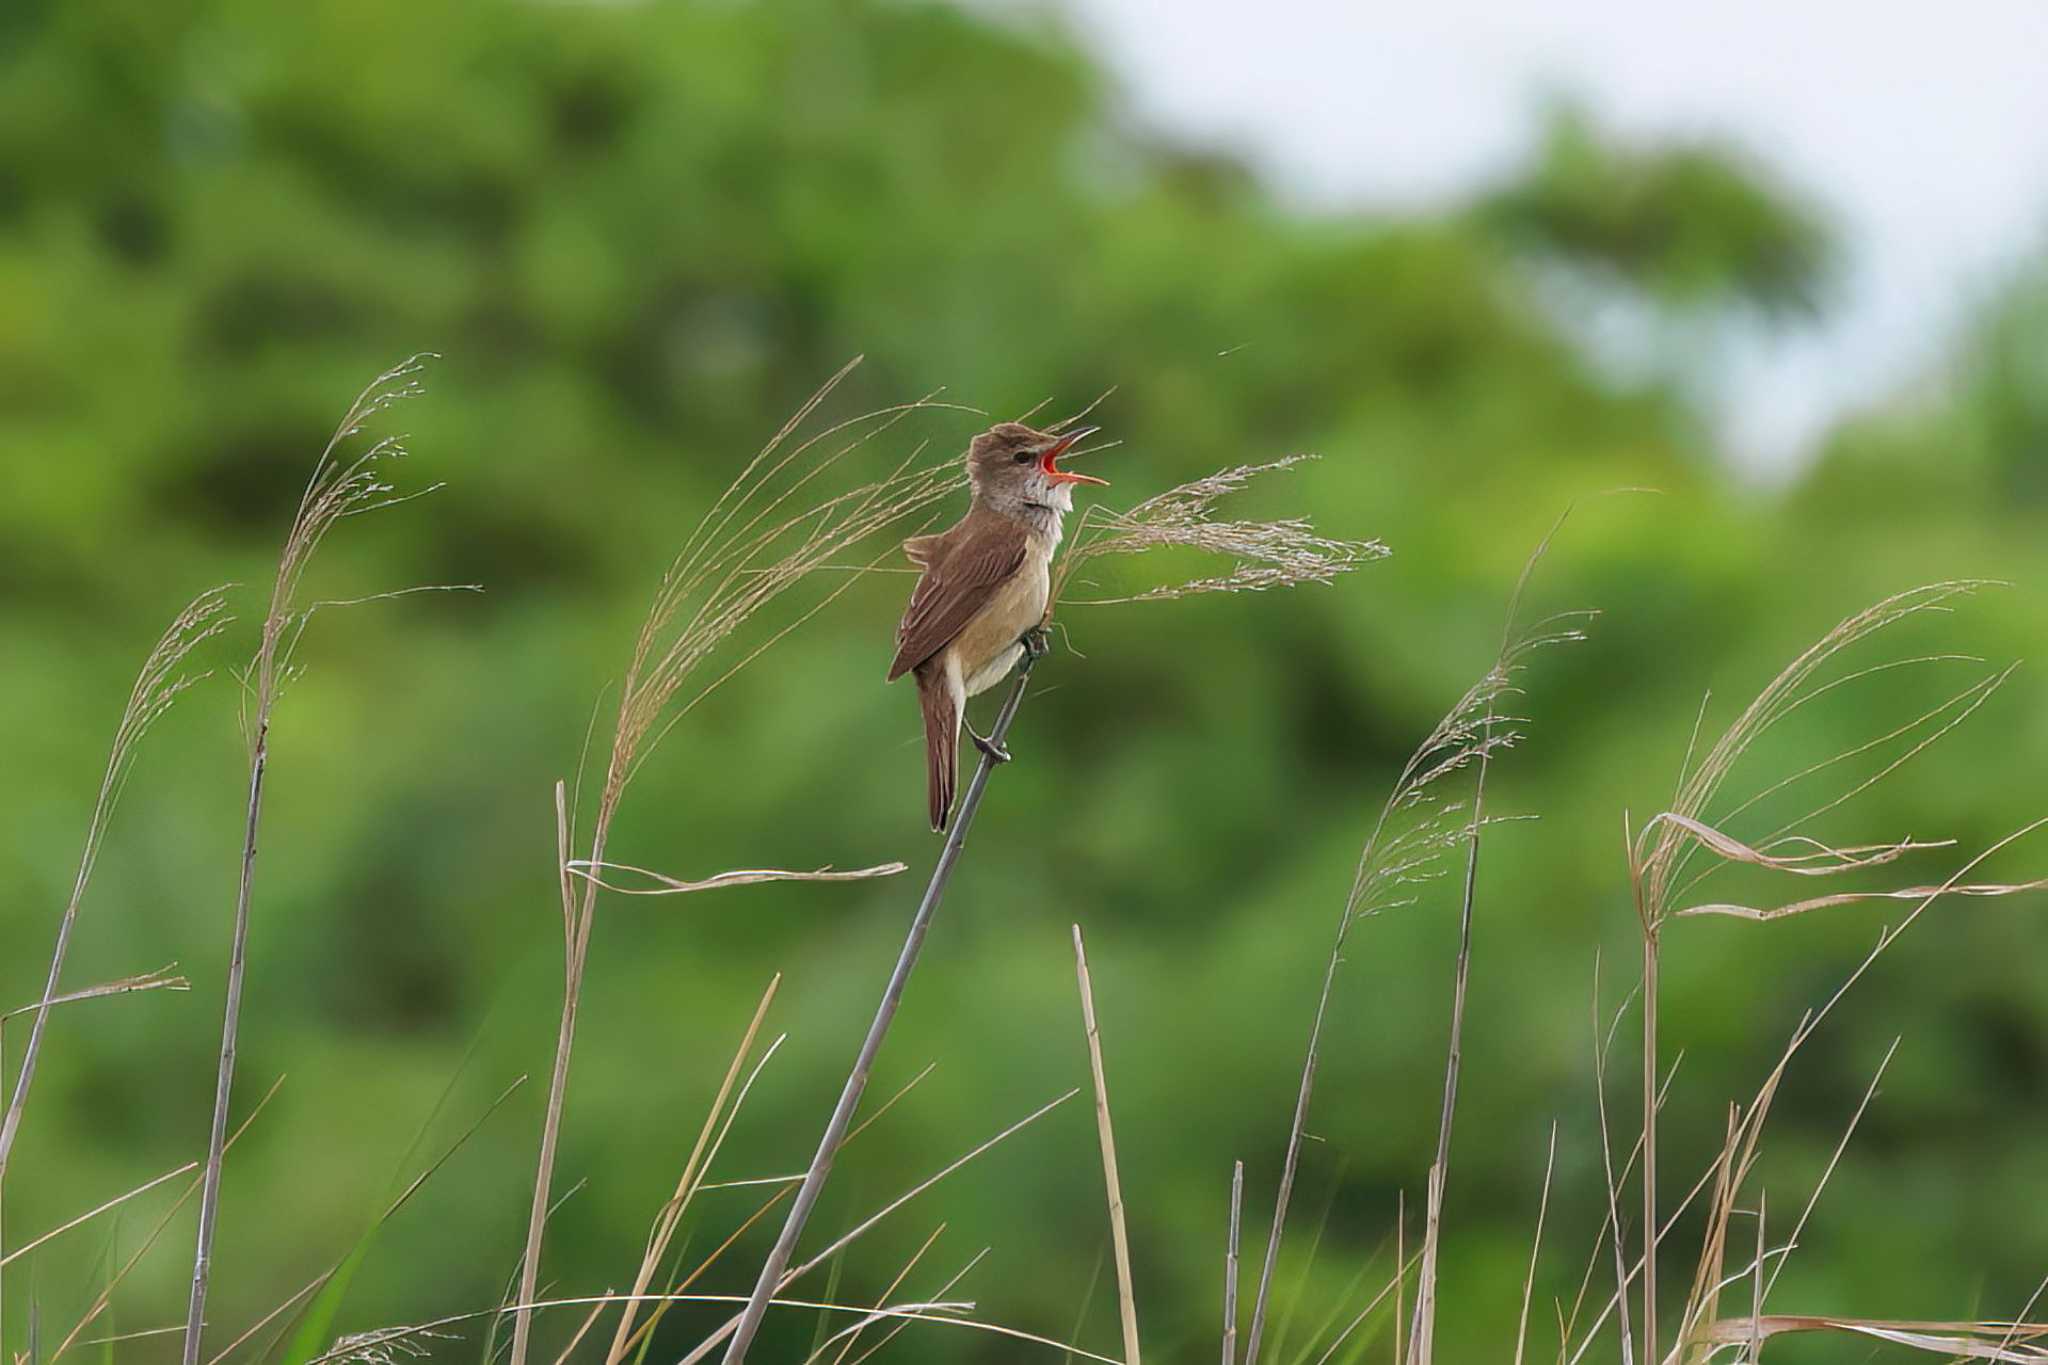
1015,607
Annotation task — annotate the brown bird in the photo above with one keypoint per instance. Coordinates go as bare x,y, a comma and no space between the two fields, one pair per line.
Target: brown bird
979,605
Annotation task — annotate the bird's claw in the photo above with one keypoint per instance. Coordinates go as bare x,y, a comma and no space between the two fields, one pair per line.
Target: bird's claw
1036,645
996,752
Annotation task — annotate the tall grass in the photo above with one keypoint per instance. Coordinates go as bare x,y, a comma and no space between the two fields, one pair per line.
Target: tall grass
343,484
778,524
772,528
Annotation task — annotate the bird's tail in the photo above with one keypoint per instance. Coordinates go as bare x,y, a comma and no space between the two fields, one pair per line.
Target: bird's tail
941,742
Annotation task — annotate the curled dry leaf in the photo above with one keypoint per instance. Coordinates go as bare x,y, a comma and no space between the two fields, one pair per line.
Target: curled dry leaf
2001,1341
1820,860
664,885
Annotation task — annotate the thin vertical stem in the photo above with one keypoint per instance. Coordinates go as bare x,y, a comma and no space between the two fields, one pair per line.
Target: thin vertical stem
1423,1338
1230,1266
576,924
224,1080
1126,1300
1649,1352
749,1321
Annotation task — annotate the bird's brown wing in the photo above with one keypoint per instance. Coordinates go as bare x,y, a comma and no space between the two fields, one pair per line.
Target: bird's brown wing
959,578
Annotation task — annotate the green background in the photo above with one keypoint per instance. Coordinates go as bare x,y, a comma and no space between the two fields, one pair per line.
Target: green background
640,235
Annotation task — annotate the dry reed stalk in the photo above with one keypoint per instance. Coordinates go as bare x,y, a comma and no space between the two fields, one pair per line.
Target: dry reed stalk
1535,1248
774,1268
1409,838
1660,852
156,688
747,551
340,486
1230,1265
1126,1299
1401,1272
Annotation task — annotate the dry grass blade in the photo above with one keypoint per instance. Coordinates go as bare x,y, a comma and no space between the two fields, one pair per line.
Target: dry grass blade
671,886
944,1290
1535,1248
850,1337
767,1206
788,1277
689,1182
943,1313
1613,1187
162,979
773,527
106,1294
90,1214
156,688
1127,1302
391,1209
1268,554
1951,1340
1393,1286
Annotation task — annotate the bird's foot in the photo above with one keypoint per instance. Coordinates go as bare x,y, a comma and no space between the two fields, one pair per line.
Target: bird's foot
1036,644
996,752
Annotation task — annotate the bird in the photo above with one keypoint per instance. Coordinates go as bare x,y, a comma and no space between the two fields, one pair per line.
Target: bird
980,601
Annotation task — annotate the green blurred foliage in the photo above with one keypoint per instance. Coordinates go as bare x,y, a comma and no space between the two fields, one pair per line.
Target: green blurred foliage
640,235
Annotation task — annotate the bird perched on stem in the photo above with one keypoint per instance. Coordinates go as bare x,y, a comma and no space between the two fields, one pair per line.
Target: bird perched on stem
980,604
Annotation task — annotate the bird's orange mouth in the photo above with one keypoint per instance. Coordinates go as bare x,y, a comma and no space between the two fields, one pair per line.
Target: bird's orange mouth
1048,462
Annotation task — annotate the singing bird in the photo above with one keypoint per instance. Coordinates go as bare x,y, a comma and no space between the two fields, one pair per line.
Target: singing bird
979,603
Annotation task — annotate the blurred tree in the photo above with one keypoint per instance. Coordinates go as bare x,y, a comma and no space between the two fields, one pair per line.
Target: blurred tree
1692,225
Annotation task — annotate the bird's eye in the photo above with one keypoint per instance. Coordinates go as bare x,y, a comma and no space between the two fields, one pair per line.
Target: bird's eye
1023,457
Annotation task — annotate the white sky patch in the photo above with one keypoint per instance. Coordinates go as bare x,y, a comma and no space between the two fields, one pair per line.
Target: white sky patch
1922,131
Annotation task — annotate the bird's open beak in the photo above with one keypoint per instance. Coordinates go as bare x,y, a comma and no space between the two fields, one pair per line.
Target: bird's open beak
1048,461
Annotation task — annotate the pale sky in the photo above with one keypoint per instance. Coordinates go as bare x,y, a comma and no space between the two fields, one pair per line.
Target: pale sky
1921,129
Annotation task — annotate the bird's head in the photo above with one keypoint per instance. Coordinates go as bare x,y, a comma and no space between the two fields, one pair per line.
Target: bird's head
1015,468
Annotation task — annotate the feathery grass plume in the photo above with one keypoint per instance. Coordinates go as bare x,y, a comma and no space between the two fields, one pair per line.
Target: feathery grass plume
157,687
1417,827
1661,852
1268,554
342,484
1422,1335
775,525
